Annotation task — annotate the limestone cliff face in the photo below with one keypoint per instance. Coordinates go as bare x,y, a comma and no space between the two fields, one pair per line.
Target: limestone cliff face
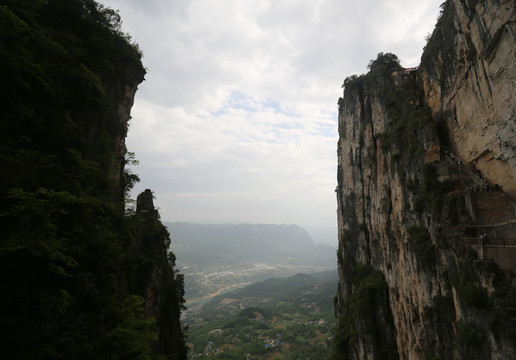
123,100
470,83
414,284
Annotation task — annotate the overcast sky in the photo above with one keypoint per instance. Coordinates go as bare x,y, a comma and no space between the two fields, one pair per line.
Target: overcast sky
237,118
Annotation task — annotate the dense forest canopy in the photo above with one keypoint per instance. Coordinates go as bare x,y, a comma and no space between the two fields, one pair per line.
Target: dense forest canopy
68,268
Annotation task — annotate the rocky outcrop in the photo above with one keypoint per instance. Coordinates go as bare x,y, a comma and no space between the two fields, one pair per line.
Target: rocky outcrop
157,281
411,147
124,105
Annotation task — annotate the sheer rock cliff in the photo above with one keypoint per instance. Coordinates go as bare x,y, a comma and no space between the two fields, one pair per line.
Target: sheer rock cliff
426,190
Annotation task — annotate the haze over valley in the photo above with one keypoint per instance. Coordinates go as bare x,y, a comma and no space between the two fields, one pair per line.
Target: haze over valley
385,129
221,257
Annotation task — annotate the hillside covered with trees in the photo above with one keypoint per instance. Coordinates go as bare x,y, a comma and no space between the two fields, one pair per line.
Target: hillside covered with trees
278,318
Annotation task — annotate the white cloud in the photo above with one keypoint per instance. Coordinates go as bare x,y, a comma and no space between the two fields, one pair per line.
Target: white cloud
236,121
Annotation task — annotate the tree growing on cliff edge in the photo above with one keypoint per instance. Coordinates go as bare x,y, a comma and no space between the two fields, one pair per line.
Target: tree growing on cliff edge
384,63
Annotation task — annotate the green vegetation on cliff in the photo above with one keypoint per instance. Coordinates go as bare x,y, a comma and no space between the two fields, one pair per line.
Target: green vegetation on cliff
440,47
364,311
383,65
66,246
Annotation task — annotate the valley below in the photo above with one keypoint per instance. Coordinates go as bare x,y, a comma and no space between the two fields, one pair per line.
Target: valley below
255,291
278,318
219,258
201,285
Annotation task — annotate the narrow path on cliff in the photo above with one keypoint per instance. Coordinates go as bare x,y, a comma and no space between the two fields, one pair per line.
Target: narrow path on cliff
492,211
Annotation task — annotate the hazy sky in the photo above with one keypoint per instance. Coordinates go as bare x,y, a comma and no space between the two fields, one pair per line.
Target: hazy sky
237,118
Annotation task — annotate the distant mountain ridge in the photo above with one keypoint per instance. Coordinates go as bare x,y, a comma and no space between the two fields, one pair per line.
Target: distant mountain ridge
216,258
247,243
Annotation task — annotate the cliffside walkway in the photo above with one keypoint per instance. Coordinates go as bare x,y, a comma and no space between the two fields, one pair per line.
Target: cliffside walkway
492,205
415,68
490,243
493,232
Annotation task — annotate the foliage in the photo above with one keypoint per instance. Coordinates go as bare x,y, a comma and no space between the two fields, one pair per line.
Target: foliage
444,312
134,333
66,256
439,51
129,179
503,322
340,252
251,312
441,315
290,290
354,80
430,177
455,209
421,244
404,120
444,308
403,124
384,64
412,185
467,290
63,65
65,245
367,301
431,195
470,335
292,317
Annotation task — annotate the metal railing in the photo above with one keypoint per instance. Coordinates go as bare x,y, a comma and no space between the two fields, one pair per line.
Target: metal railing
496,242
410,69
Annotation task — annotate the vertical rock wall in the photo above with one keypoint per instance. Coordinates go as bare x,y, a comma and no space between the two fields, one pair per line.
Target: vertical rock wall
404,205
469,82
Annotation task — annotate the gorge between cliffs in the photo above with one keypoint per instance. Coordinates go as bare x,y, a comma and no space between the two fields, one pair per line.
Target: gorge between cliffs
426,202
426,191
